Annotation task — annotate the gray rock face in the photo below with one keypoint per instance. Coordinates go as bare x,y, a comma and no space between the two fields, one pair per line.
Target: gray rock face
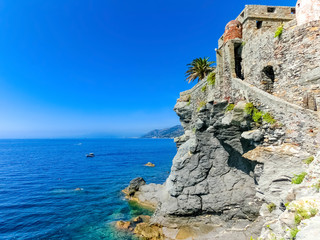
279,165
254,135
208,174
149,194
311,230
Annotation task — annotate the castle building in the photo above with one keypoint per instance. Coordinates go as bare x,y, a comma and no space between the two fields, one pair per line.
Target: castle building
285,65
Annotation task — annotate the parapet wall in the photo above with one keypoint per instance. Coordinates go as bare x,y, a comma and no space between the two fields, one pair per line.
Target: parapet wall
293,59
297,61
262,12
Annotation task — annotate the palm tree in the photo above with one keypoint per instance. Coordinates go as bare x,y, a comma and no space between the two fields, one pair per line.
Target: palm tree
199,68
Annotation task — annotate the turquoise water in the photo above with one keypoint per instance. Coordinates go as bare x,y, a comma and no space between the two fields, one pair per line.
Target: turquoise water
38,179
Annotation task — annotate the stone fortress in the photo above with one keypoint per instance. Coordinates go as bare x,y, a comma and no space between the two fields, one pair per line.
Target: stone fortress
232,177
286,67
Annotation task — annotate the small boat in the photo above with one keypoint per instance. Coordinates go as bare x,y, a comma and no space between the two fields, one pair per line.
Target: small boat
90,155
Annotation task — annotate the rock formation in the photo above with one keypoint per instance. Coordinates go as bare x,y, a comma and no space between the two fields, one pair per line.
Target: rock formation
248,163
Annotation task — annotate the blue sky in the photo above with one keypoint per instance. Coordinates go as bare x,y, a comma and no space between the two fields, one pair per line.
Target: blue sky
96,68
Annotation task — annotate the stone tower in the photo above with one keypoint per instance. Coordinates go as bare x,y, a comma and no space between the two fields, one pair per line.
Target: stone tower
233,30
307,11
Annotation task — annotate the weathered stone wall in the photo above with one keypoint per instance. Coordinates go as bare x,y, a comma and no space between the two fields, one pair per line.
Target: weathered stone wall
293,60
302,124
297,61
257,53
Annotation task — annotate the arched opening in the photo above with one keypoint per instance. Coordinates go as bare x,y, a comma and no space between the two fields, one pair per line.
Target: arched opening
267,78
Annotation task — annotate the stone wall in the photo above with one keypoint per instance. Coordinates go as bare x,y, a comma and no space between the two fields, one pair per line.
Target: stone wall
302,124
288,66
297,61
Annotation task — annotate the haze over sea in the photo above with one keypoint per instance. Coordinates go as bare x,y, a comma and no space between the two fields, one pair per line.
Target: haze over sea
38,179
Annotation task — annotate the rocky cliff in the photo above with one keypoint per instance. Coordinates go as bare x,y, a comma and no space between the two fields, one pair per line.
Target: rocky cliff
248,163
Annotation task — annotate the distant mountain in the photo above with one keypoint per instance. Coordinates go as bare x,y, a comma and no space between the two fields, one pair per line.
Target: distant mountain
172,132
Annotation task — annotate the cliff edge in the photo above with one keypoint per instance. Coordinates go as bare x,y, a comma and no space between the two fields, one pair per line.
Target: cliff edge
248,164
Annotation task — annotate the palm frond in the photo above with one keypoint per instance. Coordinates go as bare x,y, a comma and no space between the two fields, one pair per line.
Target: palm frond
199,68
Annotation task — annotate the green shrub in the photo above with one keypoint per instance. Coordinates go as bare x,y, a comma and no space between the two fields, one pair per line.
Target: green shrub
249,108
308,160
243,43
268,118
297,219
279,31
211,78
230,107
297,179
204,88
317,186
304,213
201,105
294,233
271,207
313,212
189,100
257,115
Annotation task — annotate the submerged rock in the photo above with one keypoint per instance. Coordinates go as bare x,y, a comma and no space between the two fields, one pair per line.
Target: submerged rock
124,225
149,164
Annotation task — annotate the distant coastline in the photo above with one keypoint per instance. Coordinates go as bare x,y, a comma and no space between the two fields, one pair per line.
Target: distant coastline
168,133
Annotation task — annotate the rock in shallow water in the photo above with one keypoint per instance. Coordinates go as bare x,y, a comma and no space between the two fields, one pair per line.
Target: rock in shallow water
149,164
134,185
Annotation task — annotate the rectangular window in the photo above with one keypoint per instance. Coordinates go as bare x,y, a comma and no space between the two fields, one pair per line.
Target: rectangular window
293,11
259,24
271,9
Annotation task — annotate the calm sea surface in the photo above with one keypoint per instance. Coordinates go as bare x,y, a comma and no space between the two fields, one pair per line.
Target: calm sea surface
38,179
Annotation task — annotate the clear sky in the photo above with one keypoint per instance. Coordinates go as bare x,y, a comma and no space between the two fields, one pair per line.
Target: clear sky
95,68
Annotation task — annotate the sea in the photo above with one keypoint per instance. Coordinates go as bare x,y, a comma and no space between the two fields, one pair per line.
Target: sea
49,189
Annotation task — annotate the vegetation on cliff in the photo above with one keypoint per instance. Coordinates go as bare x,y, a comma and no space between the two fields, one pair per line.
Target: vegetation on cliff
199,68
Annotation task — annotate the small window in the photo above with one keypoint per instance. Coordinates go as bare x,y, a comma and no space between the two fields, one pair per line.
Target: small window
298,4
259,24
293,11
271,9
242,14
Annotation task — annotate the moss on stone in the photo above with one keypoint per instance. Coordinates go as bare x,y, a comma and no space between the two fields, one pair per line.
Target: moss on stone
279,31
271,207
308,160
211,78
297,179
230,107
201,105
